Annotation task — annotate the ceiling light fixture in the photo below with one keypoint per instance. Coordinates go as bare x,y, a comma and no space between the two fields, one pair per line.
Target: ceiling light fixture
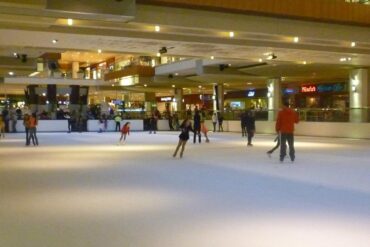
231,34
70,22
173,85
158,54
99,50
157,28
145,85
349,58
304,62
212,57
11,73
343,59
260,60
176,74
55,41
353,44
296,39
15,54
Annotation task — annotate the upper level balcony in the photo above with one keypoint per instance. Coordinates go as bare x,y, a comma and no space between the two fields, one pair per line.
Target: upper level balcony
334,11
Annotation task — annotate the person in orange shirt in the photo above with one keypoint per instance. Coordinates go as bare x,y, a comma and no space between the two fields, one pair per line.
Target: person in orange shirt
32,129
285,126
124,131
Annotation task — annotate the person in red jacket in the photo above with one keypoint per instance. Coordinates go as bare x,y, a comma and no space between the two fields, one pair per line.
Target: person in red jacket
124,131
285,126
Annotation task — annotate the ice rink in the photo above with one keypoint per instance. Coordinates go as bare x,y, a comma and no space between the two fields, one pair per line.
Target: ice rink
83,190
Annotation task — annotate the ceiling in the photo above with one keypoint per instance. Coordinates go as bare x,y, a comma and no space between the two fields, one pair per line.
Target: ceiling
26,27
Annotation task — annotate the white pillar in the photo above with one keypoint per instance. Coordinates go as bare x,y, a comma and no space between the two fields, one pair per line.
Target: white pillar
178,96
218,97
359,95
75,69
274,98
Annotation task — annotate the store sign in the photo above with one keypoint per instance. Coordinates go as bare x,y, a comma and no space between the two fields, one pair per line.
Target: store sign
309,89
330,88
166,99
251,93
289,90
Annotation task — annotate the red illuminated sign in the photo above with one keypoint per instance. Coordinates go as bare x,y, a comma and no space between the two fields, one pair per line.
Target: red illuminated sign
309,89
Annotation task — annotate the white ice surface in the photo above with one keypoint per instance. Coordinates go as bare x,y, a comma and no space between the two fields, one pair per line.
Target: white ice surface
82,190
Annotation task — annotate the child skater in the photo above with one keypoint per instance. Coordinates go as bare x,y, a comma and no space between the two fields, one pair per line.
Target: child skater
277,139
184,136
204,130
124,131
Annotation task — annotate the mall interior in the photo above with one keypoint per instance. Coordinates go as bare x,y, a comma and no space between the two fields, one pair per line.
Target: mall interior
129,58
95,60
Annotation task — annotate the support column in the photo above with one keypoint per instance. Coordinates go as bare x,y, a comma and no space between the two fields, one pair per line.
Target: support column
218,98
32,97
75,69
178,96
74,98
52,99
274,98
359,95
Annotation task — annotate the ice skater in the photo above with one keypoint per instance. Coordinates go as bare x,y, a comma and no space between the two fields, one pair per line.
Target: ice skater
183,137
204,130
124,132
277,140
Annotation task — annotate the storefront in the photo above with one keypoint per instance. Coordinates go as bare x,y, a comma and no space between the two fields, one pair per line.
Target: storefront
241,100
333,95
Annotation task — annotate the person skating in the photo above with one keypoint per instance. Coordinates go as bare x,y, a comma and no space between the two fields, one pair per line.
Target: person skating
285,126
117,120
220,122
183,137
124,131
277,140
214,121
32,125
250,125
197,120
204,130
26,124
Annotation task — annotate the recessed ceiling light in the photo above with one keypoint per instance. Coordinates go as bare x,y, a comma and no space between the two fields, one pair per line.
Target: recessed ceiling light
212,57
43,94
112,85
173,85
11,73
229,64
353,44
349,58
296,39
158,54
55,41
70,22
343,59
15,54
200,86
157,28
304,62
249,83
176,74
145,85
260,60
99,50
231,34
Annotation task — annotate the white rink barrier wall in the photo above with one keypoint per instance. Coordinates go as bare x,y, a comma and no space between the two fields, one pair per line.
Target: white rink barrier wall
323,129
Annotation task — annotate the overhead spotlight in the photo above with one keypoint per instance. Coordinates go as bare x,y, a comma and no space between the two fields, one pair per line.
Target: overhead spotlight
11,73
163,50
24,58
157,28
296,39
55,41
15,55
271,56
70,22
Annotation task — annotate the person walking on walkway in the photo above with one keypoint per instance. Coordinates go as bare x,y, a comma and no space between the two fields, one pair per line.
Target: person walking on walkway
183,137
285,126
250,125
33,130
